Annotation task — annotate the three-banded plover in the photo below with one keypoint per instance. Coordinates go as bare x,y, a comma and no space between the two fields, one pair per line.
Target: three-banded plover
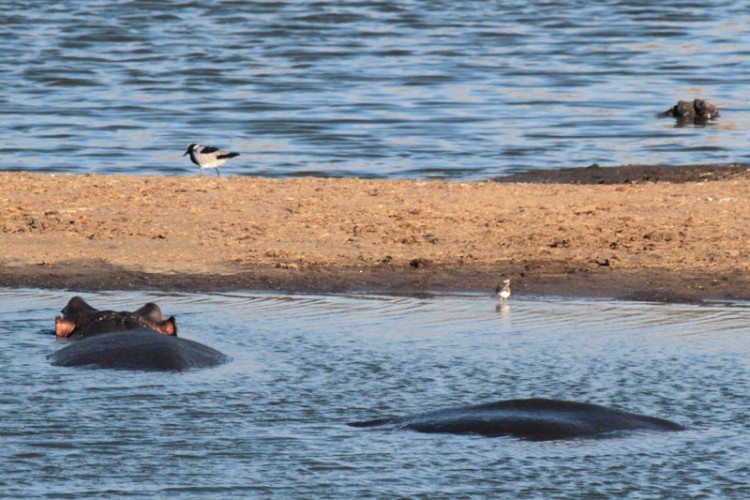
208,156
503,291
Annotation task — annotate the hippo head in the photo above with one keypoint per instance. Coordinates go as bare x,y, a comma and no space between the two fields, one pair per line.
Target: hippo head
704,110
697,111
81,319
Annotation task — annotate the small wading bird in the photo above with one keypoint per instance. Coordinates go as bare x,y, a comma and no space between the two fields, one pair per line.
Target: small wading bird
208,157
503,291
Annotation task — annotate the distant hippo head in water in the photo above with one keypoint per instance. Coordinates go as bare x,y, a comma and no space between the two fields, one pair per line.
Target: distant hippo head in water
697,112
80,320
532,419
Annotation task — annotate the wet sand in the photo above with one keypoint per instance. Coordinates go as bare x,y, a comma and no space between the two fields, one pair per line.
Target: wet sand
635,236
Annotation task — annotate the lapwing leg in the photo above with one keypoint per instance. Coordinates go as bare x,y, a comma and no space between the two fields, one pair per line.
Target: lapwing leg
218,174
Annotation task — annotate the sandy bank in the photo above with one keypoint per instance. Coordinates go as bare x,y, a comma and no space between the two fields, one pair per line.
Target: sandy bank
334,235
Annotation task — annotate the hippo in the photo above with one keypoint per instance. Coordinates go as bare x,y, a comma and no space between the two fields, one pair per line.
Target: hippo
80,320
139,340
530,419
139,349
698,112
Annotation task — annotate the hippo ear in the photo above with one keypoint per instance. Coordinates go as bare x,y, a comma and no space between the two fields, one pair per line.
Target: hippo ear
168,326
64,327
150,312
77,307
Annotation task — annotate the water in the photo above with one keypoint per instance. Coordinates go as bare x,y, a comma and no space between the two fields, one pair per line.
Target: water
370,88
272,422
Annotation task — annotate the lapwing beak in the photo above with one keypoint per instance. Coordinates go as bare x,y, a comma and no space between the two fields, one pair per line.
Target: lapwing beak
186,152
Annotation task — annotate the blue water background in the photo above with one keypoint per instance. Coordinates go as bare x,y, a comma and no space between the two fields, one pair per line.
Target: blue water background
450,89
272,422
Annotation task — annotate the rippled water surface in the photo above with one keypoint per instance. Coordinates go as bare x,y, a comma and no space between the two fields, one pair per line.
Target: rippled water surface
459,89
271,423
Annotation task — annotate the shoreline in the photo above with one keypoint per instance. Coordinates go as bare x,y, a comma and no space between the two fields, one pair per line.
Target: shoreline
643,240
648,285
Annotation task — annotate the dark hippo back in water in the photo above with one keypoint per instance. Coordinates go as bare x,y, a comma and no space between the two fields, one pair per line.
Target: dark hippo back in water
532,419
141,349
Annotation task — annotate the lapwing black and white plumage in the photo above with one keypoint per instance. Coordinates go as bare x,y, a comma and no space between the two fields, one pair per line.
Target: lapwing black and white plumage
208,156
503,291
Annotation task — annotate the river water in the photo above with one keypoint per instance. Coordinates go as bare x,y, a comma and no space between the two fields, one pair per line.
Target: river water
370,88
271,423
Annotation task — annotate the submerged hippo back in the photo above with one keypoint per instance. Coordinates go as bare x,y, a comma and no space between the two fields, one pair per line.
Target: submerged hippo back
533,419
141,349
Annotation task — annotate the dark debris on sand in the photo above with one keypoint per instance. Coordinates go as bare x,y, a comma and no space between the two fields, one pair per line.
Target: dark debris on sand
631,174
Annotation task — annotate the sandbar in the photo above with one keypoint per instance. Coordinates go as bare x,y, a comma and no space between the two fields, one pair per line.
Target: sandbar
679,239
